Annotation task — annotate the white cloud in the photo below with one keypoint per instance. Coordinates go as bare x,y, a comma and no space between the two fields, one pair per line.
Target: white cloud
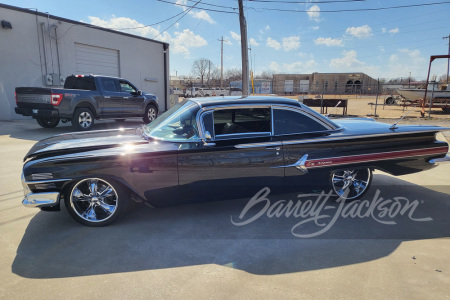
383,30
300,67
314,13
361,32
315,28
177,25
329,42
267,27
197,14
291,43
273,43
275,67
235,36
180,43
394,31
253,42
202,15
347,62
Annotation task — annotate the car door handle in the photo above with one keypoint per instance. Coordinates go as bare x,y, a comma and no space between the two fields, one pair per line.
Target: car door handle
277,148
126,97
107,97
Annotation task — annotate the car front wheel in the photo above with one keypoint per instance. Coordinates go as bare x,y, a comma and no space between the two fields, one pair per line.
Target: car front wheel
351,184
95,201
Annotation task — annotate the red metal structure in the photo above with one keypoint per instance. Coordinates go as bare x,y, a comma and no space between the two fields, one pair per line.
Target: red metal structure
432,58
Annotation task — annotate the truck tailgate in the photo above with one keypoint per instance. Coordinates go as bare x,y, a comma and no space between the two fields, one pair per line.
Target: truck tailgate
33,96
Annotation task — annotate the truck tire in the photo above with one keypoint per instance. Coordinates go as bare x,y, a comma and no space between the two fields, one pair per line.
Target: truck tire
83,119
48,122
151,112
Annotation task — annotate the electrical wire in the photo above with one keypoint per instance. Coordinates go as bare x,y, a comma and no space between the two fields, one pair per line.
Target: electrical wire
202,8
306,2
349,10
185,13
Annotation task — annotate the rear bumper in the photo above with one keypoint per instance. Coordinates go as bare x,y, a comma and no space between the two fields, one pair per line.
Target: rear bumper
37,112
439,161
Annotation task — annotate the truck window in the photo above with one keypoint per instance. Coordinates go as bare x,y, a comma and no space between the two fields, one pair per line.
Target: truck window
109,85
80,83
127,87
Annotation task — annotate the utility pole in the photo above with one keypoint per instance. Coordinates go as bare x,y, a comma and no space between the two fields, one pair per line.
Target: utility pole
221,61
448,60
244,49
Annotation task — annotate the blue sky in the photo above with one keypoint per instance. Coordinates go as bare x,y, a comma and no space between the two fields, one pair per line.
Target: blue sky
303,38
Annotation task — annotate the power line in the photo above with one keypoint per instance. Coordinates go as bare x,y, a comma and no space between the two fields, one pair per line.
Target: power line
202,8
306,2
151,24
185,13
349,10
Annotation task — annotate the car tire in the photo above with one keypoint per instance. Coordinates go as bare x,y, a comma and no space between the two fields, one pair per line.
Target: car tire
48,122
357,181
446,110
151,112
390,101
83,119
95,202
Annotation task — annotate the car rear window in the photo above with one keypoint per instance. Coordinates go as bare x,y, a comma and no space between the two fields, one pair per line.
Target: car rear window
80,83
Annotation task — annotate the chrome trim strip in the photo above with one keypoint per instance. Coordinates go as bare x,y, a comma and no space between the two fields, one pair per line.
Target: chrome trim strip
254,145
351,137
300,164
46,181
41,199
439,161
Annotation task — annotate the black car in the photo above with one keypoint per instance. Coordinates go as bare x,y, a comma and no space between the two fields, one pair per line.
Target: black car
219,148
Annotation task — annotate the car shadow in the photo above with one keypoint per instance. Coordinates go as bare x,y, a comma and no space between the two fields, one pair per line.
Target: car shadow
30,130
54,246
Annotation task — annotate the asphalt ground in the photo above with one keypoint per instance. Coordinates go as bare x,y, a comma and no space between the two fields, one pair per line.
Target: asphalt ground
195,251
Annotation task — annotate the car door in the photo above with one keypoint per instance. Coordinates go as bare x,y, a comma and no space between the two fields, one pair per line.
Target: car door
133,103
303,143
241,158
112,99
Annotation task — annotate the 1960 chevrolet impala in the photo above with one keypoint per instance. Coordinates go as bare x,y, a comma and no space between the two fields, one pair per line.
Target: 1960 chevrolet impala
216,148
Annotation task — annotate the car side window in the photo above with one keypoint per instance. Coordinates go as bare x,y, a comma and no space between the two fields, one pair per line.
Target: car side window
127,87
293,122
242,121
208,123
109,84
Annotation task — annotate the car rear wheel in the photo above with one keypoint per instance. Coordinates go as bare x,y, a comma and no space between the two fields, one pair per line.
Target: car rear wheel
351,184
83,119
150,113
446,110
48,122
95,201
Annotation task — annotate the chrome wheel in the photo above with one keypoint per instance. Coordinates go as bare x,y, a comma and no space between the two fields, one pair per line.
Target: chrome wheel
94,200
85,119
351,184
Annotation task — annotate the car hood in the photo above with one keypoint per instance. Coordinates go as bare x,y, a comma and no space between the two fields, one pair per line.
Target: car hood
85,141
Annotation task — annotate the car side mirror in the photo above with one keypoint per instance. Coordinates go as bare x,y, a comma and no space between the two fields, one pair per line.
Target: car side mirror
207,140
139,93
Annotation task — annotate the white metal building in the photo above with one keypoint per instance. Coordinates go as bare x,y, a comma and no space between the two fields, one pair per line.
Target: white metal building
40,50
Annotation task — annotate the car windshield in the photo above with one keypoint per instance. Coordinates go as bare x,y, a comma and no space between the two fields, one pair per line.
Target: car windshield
177,124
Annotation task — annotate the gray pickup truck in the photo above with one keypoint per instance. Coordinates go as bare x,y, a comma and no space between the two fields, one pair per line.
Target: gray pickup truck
83,99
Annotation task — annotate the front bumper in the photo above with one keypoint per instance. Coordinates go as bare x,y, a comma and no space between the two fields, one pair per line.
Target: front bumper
41,199
44,199
439,161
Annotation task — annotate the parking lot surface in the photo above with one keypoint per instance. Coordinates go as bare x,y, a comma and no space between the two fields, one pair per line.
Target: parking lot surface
195,251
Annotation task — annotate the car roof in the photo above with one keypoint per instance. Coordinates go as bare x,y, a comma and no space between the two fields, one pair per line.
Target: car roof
213,101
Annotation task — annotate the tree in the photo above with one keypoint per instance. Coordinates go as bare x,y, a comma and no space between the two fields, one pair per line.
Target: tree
202,68
233,74
265,75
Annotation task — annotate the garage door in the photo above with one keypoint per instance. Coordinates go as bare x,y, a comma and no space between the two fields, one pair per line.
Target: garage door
97,60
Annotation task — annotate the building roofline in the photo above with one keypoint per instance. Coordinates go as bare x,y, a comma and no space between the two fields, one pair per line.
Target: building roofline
25,10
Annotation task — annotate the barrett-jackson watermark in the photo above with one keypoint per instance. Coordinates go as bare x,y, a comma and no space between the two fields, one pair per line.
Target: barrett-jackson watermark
325,216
